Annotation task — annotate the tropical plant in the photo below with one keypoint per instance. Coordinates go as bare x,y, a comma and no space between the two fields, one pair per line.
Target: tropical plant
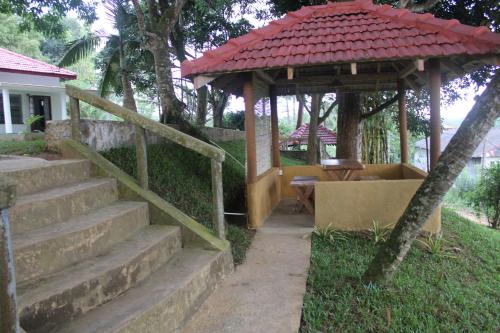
486,196
330,234
378,232
31,120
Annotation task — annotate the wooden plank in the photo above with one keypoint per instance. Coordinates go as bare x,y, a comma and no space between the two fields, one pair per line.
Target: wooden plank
403,122
275,135
218,199
135,118
435,94
74,112
248,95
341,164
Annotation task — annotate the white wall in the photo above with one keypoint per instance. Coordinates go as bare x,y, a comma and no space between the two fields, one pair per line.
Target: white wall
37,80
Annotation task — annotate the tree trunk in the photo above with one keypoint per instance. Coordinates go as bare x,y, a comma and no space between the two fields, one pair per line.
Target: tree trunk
430,194
300,115
312,142
201,109
349,128
171,107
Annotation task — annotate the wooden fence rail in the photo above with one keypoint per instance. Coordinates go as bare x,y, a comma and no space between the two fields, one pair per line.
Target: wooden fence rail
142,124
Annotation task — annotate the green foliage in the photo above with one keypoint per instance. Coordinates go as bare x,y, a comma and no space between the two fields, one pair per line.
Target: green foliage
330,234
380,233
429,293
31,120
235,120
240,239
183,178
288,161
435,245
486,196
459,196
34,147
47,16
15,40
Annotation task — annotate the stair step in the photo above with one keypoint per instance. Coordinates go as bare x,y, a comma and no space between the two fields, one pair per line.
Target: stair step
49,249
42,175
61,203
161,303
78,289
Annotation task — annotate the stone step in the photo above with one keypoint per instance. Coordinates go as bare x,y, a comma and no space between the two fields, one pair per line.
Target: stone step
83,287
46,250
42,175
61,203
161,303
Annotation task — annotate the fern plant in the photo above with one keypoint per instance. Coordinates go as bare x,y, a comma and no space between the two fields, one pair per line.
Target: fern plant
380,233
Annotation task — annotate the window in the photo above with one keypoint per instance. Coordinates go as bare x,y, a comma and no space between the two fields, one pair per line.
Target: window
16,110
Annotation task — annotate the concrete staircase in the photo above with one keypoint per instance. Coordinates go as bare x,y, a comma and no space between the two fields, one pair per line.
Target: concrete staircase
87,261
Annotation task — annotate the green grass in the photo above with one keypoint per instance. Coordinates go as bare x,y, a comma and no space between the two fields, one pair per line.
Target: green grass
288,161
183,178
452,291
22,147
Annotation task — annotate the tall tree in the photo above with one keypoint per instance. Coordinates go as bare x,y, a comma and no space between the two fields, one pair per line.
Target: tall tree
474,128
155,31
312,140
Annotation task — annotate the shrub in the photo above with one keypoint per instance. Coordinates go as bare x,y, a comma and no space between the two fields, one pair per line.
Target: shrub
486,197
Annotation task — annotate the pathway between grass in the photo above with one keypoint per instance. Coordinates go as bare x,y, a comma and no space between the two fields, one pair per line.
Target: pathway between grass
266,292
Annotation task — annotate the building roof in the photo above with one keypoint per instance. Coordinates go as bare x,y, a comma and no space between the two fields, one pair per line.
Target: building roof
490,145
18,63
345,32
324,134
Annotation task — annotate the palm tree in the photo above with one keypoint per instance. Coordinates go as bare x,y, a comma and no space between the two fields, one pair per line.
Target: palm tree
116,73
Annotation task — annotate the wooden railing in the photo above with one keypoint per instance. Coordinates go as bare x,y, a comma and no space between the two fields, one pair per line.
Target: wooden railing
142,124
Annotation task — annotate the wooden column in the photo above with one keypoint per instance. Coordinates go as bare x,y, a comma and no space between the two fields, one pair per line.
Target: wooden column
434,87
218,199
250,132
74,111
275,135
403,122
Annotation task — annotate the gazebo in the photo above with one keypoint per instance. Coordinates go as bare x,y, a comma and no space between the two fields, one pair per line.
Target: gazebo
345,47
300,137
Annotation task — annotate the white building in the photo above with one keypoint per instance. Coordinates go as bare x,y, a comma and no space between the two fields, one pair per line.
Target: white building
30,87
486,153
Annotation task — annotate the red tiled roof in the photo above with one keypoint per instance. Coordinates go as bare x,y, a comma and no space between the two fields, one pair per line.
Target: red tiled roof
18,63
324,134
345,32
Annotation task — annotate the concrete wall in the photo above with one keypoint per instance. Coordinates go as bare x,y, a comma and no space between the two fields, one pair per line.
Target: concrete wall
263,138
97,134
262,197
353,205
223,134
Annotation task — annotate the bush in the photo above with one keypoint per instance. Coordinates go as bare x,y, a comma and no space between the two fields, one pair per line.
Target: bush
486,197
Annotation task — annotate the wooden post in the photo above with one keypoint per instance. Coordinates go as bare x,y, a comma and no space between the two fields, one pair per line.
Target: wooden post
275,135
141,156
250,132
74,110
403,122
218,199
434,87
9,320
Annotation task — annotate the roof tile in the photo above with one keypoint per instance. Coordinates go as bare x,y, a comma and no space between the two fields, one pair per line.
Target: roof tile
345,32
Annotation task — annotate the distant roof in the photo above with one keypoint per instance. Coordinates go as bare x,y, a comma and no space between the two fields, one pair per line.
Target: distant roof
18,63
324,134
343,32
490,145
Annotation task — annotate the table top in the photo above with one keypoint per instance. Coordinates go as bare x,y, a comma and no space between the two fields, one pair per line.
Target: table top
341,164
304,181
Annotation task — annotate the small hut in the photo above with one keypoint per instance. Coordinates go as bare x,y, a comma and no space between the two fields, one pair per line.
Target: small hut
300,136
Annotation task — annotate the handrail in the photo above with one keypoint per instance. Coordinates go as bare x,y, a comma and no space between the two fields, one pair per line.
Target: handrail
141,124
135,118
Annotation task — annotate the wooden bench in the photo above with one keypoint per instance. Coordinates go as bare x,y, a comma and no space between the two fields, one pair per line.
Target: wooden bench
304,188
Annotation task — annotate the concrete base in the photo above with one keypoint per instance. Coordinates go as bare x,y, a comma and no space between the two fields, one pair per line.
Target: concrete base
266,292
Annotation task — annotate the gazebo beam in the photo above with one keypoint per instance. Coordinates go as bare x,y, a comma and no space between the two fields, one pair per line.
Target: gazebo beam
435,96
403,121
274,127
248,95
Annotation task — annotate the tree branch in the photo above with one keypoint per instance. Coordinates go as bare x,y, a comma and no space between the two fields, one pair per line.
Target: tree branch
302,100
141,22
176,12
418,8
327,113
380,107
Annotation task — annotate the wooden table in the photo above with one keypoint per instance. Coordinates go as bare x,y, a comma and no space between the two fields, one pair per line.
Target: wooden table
304,188
342,169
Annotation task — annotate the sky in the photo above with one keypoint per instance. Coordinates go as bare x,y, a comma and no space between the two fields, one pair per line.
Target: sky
452,114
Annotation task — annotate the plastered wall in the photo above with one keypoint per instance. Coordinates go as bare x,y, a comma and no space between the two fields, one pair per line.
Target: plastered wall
262,197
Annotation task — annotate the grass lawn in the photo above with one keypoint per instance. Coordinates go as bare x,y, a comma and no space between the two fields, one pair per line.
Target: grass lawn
456,290
183,178
288,161
22,147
